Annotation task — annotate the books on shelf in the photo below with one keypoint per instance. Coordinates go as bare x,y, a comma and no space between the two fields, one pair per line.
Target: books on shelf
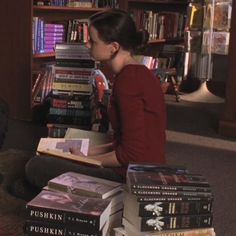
80,184
67,209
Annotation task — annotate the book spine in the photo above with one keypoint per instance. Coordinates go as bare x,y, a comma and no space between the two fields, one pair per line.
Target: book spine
80,122
74,97
147,198
69,112
72,80
62,217
175,222
171,188
72,87
171,193
76,63
34,228
59,92
60,103
174,208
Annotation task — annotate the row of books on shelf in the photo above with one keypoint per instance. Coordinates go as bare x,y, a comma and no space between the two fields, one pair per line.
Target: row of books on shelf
160,25
47,35
156,200
78,3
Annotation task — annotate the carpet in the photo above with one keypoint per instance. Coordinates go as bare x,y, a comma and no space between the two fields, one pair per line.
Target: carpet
12,209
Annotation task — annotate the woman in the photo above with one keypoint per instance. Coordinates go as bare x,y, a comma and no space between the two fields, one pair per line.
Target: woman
136,112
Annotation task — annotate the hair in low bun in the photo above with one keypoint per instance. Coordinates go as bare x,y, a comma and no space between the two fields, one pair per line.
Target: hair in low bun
116,25
142,40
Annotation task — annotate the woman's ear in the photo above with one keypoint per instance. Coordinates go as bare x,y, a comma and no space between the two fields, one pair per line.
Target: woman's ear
115,47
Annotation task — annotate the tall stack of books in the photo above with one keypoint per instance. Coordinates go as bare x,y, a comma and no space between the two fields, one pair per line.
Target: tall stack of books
75,204
162,200
72,98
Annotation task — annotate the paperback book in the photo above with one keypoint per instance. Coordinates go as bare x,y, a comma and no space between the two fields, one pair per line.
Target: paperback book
34,228
68,209
161,223
86,185
130,230
166,181
164,208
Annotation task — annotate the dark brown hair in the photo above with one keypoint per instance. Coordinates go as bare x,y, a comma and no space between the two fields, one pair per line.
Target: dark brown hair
116,25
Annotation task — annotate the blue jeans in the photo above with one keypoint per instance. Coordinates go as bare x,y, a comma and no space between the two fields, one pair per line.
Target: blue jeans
40,169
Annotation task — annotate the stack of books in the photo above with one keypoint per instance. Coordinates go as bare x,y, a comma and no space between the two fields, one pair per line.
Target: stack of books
75,204
165,200
72,98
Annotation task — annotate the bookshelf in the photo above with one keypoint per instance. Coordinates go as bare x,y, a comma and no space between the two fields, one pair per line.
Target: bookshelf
17,61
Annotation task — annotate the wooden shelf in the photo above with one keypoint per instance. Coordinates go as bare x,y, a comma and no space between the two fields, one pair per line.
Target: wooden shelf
184,2
157,41
66,9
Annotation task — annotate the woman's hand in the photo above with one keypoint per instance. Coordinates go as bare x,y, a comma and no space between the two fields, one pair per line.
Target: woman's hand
76,151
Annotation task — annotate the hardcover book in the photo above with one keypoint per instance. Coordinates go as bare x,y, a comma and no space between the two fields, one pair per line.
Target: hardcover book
86,185
131,230
68,209
160,223
164,208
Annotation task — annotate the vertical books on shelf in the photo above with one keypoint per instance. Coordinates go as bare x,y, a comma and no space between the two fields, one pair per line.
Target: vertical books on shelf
162,199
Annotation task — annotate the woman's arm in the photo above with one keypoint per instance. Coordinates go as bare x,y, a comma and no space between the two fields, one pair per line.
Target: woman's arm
107,159
103,153
100,149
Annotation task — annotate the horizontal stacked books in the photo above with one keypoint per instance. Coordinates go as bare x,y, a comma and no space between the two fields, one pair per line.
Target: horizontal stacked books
161,200
46,35
75,204
72,98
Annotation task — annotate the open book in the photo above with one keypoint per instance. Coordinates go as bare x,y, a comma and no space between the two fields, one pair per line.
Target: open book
95,138
60,147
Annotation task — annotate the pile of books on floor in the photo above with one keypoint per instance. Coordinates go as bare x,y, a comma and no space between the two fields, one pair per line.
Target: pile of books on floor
166,201
75,204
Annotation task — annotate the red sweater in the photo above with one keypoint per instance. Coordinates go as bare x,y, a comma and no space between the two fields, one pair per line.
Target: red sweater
138,117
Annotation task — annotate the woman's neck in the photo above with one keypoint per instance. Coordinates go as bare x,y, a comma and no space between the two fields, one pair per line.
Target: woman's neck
122,59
